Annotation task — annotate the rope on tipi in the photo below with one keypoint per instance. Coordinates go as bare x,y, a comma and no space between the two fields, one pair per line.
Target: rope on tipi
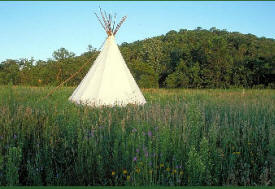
73,75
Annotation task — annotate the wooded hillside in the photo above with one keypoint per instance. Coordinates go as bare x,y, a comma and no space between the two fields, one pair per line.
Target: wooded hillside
188,58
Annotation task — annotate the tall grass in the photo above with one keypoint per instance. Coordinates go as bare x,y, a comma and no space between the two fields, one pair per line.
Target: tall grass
180,137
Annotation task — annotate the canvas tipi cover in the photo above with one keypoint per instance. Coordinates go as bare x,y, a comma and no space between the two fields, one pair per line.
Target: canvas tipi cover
109,81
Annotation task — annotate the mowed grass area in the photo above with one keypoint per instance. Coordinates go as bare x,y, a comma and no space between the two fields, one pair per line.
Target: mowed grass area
180,137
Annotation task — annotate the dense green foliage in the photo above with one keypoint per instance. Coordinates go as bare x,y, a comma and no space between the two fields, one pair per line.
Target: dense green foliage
188,58
180,137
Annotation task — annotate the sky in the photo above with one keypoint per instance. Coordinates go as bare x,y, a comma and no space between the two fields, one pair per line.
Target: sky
37,29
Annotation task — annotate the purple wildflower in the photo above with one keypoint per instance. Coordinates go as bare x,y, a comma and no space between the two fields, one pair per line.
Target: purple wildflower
177,166
135,159
149,133
14,136
137,150
146,154
143,133
134,130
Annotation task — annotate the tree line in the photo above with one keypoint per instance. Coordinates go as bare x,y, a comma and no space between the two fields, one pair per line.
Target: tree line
197,58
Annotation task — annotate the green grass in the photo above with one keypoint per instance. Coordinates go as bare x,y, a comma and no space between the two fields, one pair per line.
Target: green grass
180,137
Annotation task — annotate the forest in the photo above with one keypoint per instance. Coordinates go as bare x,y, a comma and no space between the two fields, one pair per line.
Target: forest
196,58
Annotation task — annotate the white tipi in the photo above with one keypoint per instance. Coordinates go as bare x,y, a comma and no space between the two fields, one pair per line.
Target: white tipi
109,81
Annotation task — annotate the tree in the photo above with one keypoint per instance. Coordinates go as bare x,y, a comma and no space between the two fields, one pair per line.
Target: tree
9,72
62,54
196,58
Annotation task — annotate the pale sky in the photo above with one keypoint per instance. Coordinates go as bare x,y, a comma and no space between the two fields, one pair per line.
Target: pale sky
36,29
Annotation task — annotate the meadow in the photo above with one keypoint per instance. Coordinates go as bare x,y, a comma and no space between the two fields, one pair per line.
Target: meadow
180,137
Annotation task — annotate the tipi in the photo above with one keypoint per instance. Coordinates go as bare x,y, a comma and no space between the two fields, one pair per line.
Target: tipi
109,81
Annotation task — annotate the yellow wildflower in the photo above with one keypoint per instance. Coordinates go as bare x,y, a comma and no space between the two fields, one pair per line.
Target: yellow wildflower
161,165
125,172
181,172
138,170
168,169
174,171
151,171
128,177
237,153
113,173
